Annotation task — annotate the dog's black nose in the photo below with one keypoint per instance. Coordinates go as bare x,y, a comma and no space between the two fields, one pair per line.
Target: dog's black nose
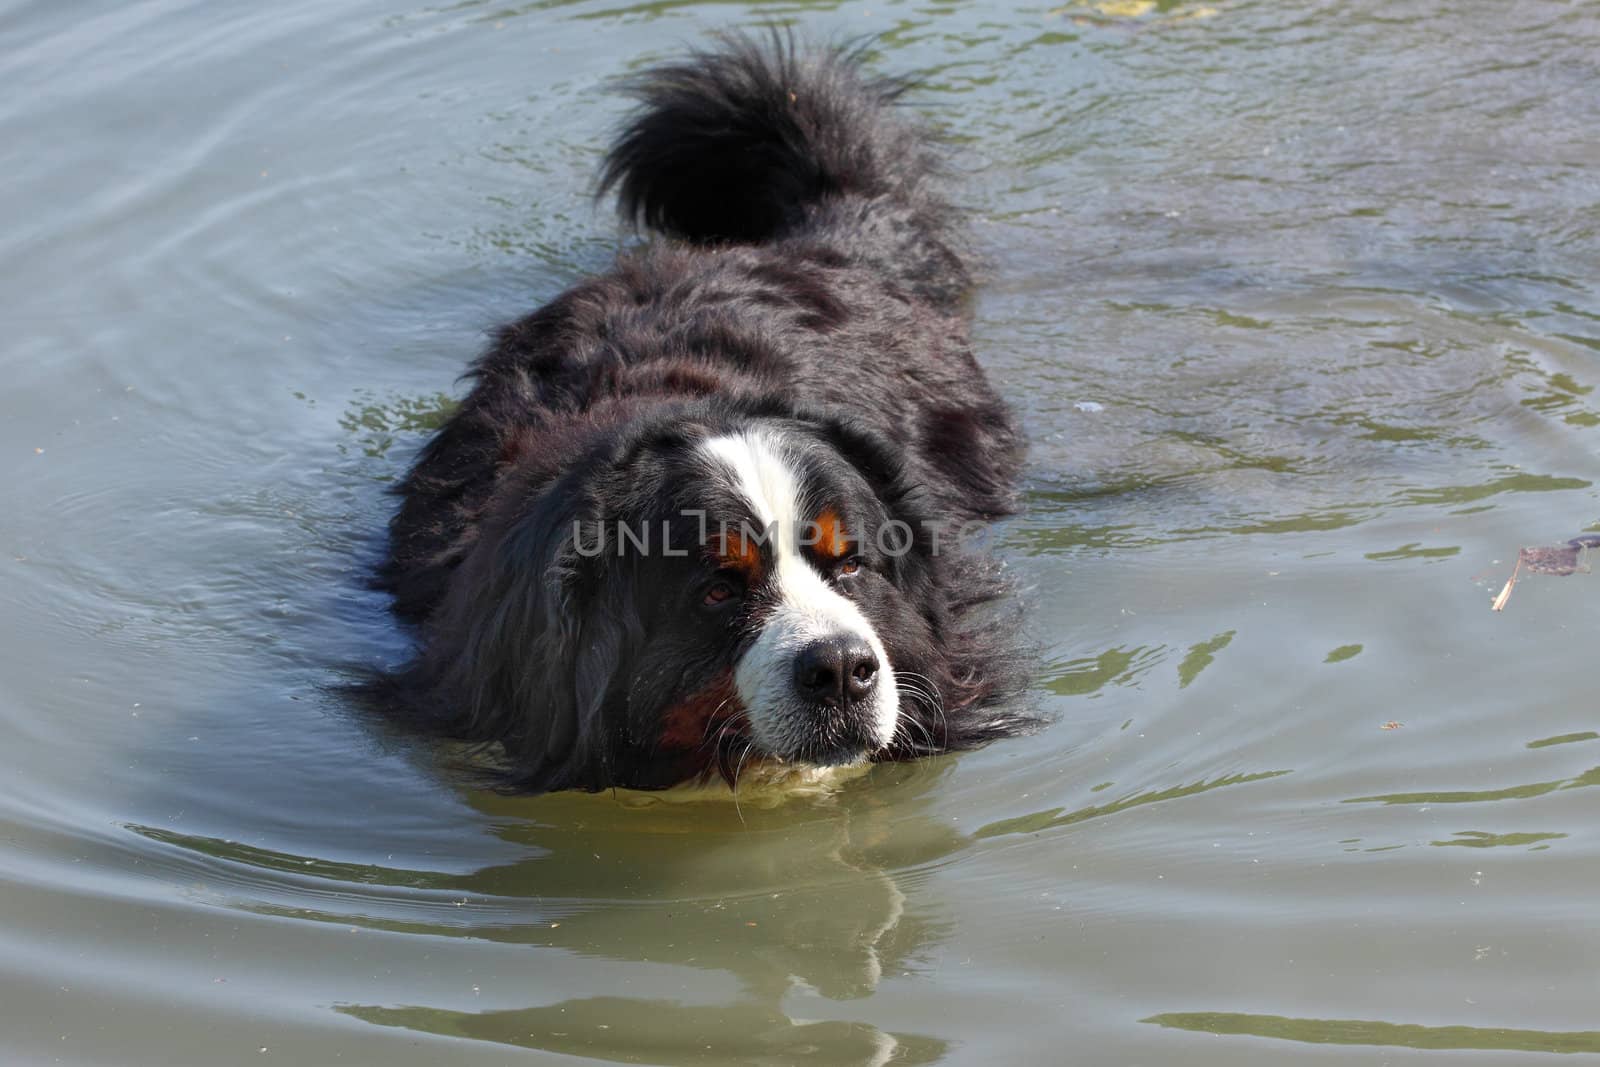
836,670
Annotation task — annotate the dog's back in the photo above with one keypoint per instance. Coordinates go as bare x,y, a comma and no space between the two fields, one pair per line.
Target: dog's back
814,260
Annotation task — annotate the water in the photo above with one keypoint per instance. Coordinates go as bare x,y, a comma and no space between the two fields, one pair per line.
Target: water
1327,270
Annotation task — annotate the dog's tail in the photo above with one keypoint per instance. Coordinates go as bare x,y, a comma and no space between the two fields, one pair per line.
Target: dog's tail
744,142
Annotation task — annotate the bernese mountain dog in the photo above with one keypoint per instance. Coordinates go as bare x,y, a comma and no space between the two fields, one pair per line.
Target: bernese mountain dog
717,508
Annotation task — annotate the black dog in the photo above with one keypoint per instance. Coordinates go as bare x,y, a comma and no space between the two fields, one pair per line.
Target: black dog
708,511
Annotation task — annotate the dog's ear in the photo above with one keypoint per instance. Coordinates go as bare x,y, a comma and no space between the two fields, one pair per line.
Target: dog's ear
870,452
945,438
551,653
880,462
526,647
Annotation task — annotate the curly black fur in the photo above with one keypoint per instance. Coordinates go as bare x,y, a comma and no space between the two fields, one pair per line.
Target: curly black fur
814,285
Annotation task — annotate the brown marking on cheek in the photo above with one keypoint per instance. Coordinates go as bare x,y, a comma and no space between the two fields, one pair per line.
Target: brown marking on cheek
739,553
693,723
827,536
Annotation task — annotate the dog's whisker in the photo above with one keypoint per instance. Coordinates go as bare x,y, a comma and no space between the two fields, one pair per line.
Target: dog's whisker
738,772
711,720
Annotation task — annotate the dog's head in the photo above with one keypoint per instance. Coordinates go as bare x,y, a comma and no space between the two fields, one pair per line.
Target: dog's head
708,593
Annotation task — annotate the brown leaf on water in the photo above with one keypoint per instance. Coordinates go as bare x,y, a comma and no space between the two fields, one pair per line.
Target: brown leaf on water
1569,558
1559,560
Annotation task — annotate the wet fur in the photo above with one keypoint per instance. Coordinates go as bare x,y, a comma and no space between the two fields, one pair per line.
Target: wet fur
811,279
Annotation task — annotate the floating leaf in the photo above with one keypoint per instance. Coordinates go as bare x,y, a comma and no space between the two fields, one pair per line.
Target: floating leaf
1560,560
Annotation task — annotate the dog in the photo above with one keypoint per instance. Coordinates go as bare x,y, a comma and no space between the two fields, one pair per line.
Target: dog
706,512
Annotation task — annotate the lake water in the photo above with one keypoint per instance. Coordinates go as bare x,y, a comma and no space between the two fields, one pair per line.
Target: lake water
1299,301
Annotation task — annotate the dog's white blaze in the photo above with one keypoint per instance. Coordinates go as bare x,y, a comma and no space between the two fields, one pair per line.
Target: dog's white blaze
808,608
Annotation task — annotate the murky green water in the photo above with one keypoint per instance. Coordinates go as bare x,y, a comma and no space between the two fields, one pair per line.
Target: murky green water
1299,300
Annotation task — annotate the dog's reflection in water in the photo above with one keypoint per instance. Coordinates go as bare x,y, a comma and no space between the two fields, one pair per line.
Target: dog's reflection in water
796,903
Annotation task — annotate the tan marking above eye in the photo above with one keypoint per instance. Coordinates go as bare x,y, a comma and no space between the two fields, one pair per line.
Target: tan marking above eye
738,553
826,535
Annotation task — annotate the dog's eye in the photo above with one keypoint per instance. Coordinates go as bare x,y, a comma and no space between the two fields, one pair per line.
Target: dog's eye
719,592
851,565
